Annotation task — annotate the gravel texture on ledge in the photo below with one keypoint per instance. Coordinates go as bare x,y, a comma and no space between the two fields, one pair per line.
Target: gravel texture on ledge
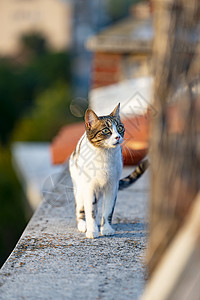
52,260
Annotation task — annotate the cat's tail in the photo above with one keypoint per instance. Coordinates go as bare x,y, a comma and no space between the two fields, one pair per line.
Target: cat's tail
135,175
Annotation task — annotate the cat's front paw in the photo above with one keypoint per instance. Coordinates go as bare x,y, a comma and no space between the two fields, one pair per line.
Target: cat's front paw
92,234
82,226
106,229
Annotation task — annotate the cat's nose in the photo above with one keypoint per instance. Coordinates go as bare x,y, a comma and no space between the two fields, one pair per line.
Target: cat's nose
117,138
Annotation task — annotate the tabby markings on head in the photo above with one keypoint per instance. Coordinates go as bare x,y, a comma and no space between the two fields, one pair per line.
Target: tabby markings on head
99,129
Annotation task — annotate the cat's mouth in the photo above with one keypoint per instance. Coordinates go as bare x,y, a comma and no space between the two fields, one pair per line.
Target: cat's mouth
116,143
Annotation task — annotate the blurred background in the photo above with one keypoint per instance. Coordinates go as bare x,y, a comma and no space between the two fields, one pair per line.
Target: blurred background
44,65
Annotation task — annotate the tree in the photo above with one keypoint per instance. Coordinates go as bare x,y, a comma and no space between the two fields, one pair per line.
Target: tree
50,112
21,84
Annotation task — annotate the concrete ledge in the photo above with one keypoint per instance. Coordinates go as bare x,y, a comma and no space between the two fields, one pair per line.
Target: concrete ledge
52,260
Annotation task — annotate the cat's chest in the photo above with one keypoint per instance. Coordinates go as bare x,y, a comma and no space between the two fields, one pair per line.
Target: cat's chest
107,167
96,166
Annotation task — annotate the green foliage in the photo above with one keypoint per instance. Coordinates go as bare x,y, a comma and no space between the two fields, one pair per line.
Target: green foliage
20,85
12,217
35,43
50,112
10,87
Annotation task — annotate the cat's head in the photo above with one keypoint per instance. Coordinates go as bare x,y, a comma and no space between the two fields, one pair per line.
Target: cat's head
105,131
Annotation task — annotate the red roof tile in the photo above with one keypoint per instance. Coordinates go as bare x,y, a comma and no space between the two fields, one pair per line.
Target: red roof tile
134,147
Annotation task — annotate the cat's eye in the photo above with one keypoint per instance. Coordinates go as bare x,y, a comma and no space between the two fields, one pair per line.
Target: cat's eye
120,128
105,131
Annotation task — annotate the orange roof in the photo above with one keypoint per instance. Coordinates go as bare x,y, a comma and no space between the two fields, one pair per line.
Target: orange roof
134,147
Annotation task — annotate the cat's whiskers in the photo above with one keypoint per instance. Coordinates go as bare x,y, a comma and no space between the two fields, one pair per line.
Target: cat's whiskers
126,149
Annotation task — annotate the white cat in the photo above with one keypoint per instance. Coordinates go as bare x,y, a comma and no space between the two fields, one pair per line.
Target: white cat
95,167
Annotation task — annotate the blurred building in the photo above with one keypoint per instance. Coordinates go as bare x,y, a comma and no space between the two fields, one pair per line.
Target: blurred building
122,51
51,18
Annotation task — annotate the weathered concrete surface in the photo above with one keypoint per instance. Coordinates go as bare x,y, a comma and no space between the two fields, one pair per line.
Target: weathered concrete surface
54,261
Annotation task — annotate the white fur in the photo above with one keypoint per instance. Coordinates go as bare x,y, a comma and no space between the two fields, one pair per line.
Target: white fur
96,172
82,226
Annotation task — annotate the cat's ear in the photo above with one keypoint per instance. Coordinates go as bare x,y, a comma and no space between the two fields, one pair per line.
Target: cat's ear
90,118
115,112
